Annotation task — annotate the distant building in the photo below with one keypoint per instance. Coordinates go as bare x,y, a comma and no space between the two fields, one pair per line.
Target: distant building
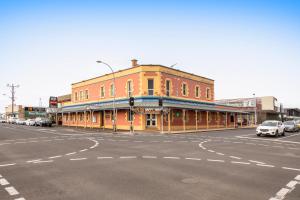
266,108
25,112
291,113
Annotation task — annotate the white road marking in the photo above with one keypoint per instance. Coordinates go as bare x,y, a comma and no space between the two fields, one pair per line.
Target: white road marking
127,157
263,165
75,159
242,163
11,191
193,158
297,178
104,157
234,157
255,161
30,161
212,151
10,164
55,157
288,168
20,198
221,154
68,154
43,161
149,157
212,160
292,184
3,181
171,157
83,150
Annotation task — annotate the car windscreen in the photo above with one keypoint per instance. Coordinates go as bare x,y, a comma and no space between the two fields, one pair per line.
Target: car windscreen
269,124
289,123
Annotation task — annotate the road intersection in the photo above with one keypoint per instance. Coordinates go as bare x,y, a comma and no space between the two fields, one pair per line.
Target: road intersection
64,163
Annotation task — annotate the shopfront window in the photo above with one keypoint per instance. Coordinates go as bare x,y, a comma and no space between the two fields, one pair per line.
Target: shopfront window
150,120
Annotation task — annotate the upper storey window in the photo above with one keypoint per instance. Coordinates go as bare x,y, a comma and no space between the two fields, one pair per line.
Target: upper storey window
76,96
102,91
184,89
112,90
81,95
197,91
168,85
86,94
129,88
208,93
150,87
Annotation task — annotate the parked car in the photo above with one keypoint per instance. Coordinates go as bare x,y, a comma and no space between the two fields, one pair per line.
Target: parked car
20,122
12,120
2,121
39,121
291,126
298,123
30,122
271,127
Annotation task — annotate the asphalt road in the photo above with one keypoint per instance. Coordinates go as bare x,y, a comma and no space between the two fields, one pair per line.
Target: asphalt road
64,163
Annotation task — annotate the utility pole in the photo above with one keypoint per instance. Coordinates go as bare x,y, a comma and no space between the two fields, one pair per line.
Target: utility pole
12,97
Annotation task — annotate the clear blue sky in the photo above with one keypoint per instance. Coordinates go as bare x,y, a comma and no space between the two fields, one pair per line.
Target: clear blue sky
246,46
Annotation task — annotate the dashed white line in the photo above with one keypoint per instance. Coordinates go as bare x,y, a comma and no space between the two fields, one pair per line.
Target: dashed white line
68,154
153,157
293,169
212,160
234,157
171,157
10,164
127,157
55,157
11,191
264,165
3,181
75,159
193,158
105,157
83,150
242,163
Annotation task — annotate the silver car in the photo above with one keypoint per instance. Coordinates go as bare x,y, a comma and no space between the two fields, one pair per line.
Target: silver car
291,126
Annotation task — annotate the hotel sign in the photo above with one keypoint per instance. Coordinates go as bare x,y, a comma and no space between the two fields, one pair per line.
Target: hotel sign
141,110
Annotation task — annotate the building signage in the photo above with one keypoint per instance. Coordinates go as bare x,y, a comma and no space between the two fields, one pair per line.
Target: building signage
141,110
53,102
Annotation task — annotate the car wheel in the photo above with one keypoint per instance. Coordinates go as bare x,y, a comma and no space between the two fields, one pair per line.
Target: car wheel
276,134
283,133
258,134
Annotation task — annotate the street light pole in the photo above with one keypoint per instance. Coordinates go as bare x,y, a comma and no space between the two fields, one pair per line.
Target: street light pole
114,96
255,110
12,90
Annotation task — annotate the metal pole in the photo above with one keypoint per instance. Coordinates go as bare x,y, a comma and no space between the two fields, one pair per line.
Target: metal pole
114,106
255,110
12,87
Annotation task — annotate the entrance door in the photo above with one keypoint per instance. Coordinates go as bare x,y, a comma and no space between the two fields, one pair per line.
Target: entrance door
151,120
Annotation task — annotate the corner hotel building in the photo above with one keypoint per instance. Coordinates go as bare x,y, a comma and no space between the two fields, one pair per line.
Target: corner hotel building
187,102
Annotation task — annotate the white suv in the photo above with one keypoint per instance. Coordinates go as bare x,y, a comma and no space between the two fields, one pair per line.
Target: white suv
274,128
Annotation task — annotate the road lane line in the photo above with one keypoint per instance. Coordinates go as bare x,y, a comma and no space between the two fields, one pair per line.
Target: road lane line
211,160
10,164
255,161
55,157
83,150
234,157
171,157
221,154
263,165
288,168
43,161
20,198
3,181
292,184
127,157
68,154
153,157
75,159
193,158
242,163
11,191
104,157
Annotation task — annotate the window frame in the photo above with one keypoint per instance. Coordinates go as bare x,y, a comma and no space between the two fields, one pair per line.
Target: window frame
152,90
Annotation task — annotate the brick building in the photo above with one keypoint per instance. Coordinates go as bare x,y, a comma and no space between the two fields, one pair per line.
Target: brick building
187,101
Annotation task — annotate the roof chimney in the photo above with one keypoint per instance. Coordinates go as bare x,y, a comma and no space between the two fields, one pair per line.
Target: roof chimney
134,63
